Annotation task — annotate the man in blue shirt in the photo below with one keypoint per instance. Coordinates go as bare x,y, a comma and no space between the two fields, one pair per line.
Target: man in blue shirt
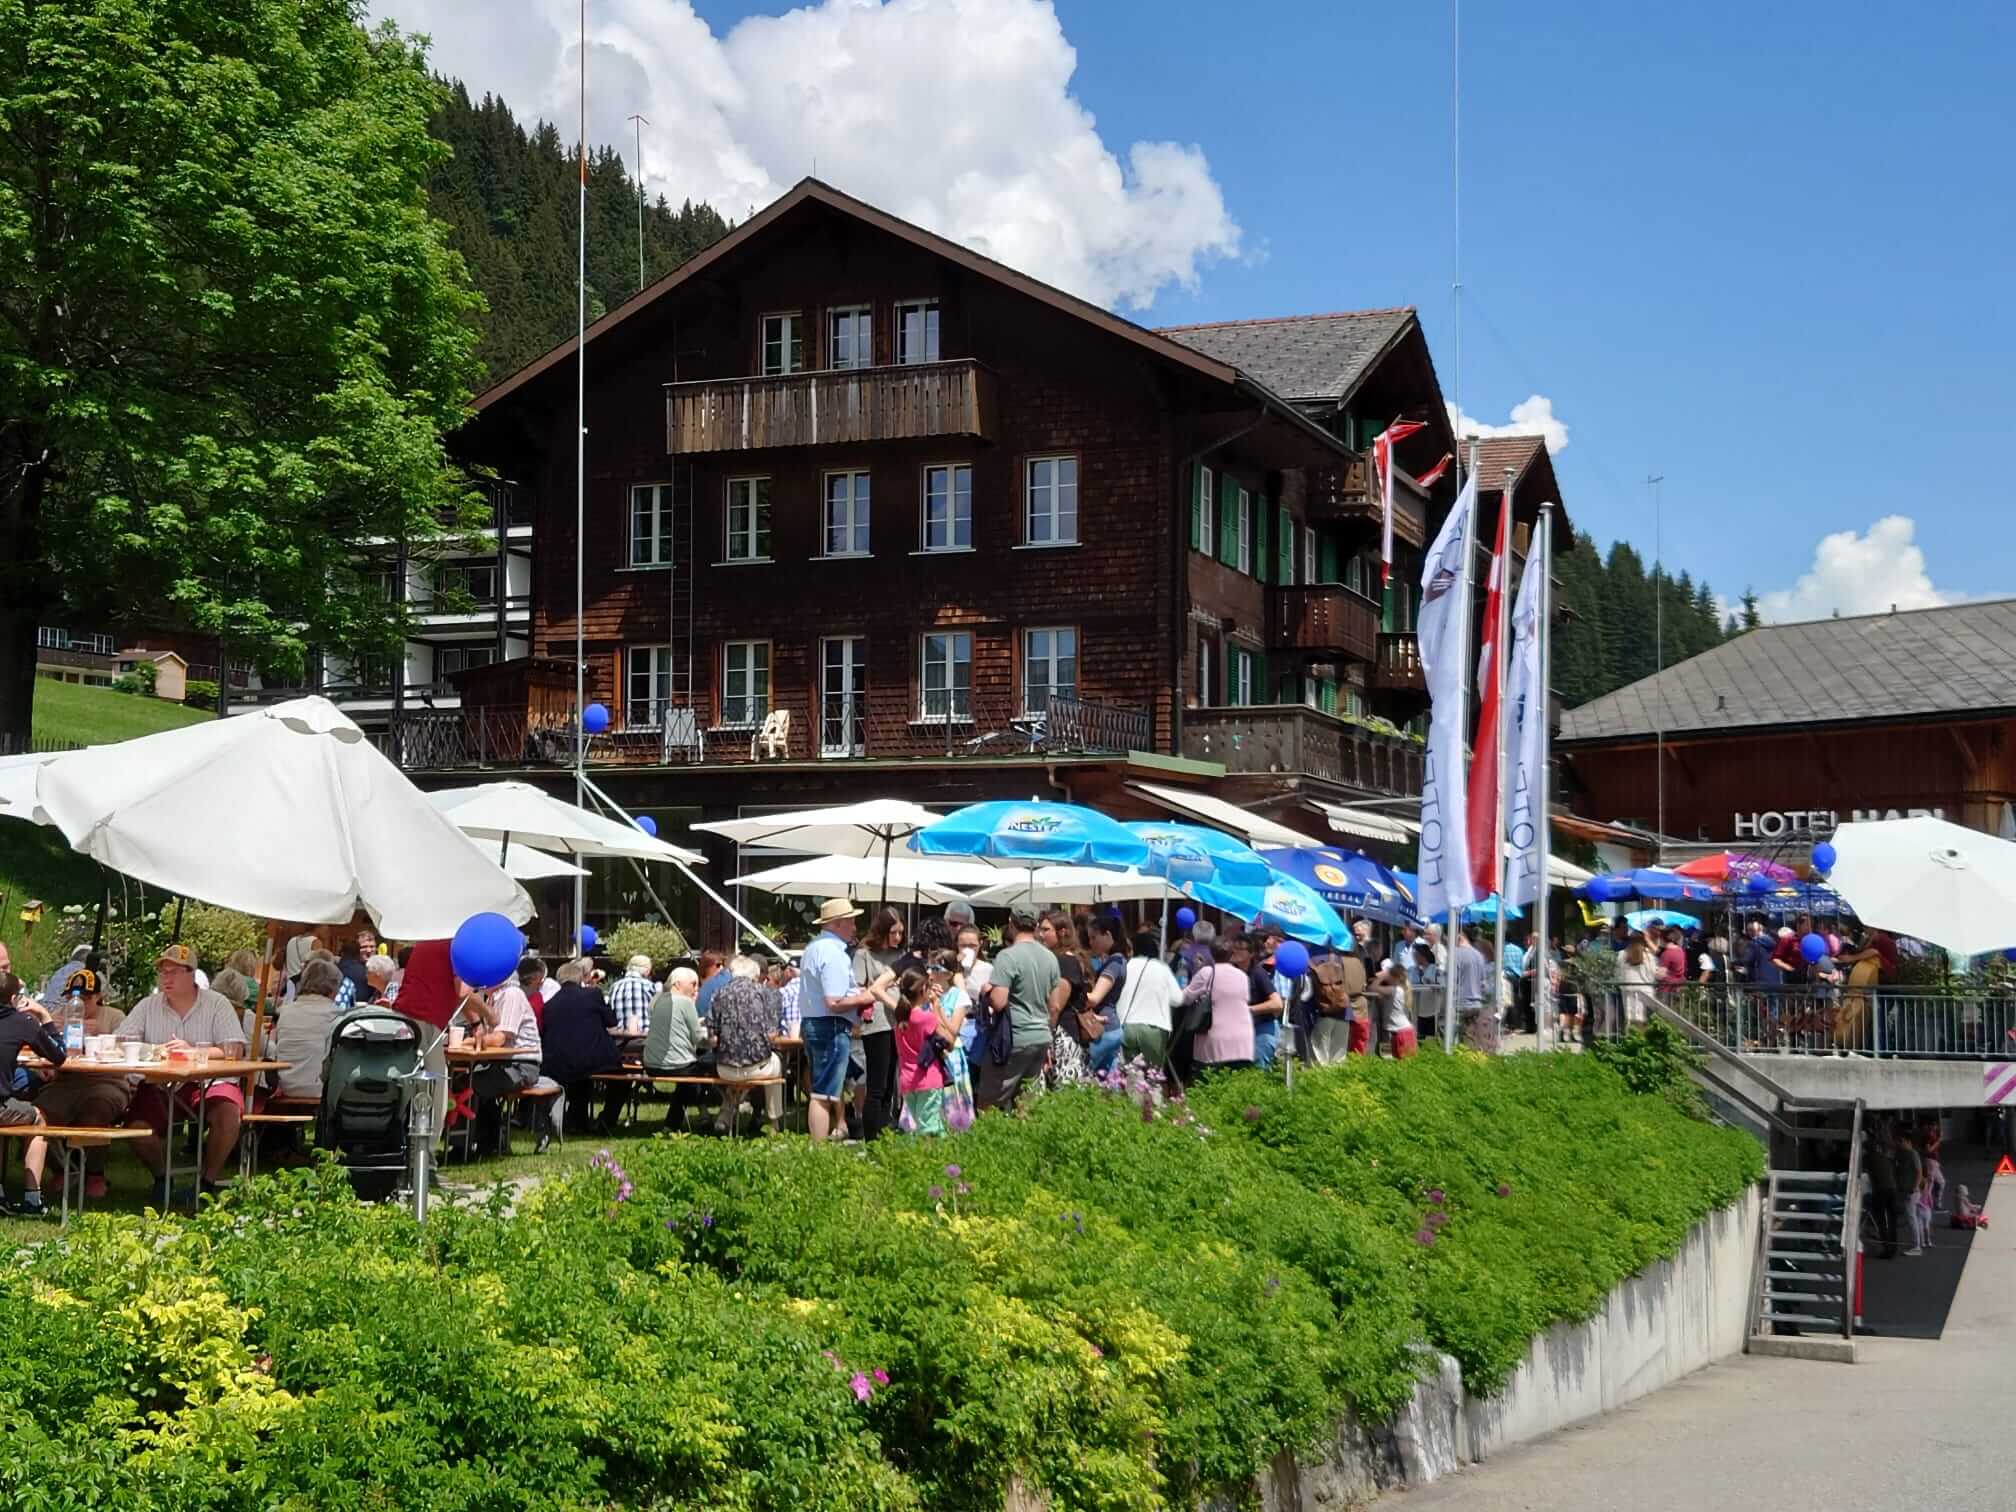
828,1002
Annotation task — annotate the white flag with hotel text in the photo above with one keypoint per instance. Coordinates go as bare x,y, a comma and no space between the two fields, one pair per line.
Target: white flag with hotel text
1443,632
1525,839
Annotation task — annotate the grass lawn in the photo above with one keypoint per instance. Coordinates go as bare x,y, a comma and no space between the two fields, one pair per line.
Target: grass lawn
81,715
129,1183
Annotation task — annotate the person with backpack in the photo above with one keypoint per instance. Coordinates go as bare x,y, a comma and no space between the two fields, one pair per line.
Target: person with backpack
1340,980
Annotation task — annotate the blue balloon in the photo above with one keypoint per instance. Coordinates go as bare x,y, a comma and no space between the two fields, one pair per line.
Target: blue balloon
2009,954
1185,917
647,824
1758,885
1812,947
1291,959
595,719
588,938
1824,857
486,949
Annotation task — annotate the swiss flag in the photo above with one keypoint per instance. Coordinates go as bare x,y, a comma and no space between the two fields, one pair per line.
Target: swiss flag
1483,816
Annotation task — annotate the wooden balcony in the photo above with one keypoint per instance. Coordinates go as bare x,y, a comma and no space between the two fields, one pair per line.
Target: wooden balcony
1350,496
844,406
1293,739
1399,669
1325,621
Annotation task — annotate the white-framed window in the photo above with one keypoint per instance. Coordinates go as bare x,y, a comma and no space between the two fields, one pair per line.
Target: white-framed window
449,659
845,522
948,507
1354,703
945,677
1308,553
745,683
1239,677
647,683
476,581
748,534
1354,573
850,337
843,696
100,644
651,525
1207,511
783,343
1207,670
917,331
52,638
1245,531
1049,665
1050,514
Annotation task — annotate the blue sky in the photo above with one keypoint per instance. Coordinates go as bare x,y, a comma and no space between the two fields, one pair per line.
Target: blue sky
1761,250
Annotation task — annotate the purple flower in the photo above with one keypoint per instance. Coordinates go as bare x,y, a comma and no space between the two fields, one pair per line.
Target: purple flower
881,1376
860,1387
1435,1196
952,1171
1504,1189
706,1220
934,1192
1425,1238
1436,1220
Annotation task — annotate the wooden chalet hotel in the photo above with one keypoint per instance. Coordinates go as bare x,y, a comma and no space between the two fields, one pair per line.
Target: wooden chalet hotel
868,513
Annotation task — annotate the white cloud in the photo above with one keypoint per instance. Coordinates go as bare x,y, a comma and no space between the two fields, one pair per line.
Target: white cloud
1859,574
955,114
1532,416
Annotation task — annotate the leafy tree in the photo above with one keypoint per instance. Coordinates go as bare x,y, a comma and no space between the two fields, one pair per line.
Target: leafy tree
231,335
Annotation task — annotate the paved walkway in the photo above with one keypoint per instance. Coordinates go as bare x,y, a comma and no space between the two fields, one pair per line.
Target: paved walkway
1913,1421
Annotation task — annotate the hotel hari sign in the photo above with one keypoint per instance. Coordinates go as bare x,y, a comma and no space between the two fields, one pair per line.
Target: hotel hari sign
1777,824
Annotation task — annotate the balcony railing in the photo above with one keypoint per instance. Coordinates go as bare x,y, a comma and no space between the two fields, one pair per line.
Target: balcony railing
1291,738
840,407
1074,725
1399,668
1913,1023
1325,620
1349,495
516,605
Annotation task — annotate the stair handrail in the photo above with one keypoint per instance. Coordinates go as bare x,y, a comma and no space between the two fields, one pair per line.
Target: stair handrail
1699,1036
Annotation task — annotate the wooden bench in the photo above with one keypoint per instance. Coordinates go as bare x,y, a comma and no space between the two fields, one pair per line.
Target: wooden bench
637,1081
509,1101
279,1113
75,1139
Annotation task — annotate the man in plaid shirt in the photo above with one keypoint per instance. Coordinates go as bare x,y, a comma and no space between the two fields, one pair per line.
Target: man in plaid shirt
634,993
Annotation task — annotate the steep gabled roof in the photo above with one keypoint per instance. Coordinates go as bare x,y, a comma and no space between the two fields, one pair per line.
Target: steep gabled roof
1946,662
1496,453
1307,358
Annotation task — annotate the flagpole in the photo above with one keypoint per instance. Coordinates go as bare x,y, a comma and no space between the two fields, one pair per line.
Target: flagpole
1543,985
1500,646
1449,1004
581,482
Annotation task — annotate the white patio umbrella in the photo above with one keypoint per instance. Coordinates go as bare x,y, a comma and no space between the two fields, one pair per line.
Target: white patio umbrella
878,827
910,879
520,812
287,813
18,776
529,865
1925,877
1075,884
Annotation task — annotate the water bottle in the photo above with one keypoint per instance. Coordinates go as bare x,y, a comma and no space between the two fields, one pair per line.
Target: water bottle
73,1029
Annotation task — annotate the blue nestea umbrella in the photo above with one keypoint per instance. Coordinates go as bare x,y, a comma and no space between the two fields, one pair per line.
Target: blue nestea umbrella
1033,834
1194,853
1348,880
1651,883
1284,903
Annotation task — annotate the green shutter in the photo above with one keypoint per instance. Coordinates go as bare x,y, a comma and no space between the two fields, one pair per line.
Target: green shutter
1284,546
1326,694
1197,507
1386,608
1326,560
1228,521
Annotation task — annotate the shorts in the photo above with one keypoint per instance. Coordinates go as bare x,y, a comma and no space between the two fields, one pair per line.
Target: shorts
827,1043
14,1113
1405,1043
1361,1037
150,1105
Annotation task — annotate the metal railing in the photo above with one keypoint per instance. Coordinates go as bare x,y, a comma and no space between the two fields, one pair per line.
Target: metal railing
1072,724
1905,1022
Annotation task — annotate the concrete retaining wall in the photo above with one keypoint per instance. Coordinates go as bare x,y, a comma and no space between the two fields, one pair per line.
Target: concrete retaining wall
1665,1322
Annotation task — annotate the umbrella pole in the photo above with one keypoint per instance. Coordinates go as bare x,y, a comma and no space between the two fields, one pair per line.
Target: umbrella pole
178,916
503,847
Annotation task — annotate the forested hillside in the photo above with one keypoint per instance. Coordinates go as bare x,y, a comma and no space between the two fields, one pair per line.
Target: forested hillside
510,196
1611,640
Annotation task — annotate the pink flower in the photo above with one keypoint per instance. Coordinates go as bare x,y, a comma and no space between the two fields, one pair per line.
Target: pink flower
1435,1196
881,1376
860,1387
952,1171
1504,1189
1425,1238
831,1358
1436,1220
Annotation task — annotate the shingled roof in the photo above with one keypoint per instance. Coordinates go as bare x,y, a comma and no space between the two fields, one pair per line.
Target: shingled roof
1496,453
1304,358
1921,663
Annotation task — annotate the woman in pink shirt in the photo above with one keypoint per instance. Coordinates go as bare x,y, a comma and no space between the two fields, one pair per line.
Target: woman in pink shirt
1226,1042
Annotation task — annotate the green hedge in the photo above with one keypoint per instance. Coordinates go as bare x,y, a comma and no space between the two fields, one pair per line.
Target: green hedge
1122,1307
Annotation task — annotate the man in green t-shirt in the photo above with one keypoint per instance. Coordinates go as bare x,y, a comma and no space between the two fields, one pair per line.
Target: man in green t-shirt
1029,989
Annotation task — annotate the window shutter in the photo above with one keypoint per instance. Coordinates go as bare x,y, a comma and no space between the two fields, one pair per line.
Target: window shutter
1386,609
1326,560
1228,521
1326,695
1197,506
1284,547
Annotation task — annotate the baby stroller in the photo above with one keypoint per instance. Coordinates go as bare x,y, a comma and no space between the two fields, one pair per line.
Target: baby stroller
374,1055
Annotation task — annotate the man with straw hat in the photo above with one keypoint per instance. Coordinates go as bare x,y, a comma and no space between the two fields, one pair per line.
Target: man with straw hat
829,1004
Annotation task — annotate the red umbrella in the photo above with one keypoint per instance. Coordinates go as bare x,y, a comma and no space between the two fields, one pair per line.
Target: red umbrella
1725,865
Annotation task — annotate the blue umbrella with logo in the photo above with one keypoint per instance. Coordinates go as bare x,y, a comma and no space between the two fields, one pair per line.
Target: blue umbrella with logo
1194,853
1651,883
1032,835
1286,904
1348,880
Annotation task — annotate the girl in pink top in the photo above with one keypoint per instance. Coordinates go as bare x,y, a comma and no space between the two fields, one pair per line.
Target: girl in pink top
1228,1039
921,1038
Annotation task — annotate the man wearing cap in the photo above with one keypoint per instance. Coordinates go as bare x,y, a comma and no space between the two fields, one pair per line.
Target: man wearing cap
631,997
828,1002
1028,986
96,1102
184,1017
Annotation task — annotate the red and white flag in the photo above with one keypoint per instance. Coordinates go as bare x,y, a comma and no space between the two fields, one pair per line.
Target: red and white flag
1382,462
1483,816
1433,476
